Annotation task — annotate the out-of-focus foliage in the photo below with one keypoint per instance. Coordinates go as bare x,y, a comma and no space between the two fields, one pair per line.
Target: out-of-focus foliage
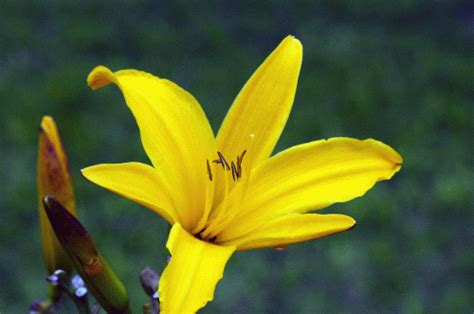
400,72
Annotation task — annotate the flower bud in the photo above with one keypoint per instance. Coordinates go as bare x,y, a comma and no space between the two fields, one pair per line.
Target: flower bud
99,278
53,178
149,280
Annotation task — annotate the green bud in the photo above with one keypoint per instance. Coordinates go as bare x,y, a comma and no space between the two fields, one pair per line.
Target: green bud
101,281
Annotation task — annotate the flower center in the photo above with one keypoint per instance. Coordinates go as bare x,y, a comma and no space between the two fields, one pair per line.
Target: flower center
235,167
218,216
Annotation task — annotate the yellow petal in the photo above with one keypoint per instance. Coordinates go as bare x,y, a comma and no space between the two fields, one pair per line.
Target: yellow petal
310,177
190,278
137,182
53,178
260,111
175,133
293,228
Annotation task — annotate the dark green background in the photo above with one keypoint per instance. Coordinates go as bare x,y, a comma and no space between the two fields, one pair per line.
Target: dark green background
401,73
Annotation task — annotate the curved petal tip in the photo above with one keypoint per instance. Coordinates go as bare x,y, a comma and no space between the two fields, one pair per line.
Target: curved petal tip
47,124
100,77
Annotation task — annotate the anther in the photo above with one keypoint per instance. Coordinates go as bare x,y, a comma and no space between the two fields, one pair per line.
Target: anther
239,163
243,154
239,170
209,172
223,161
235,173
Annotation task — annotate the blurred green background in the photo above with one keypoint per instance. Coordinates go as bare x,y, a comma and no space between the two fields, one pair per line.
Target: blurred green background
399,72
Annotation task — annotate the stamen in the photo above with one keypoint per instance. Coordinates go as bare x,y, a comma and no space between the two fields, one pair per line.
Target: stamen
243,154
239,163
239,170
209,172
235,174
223,161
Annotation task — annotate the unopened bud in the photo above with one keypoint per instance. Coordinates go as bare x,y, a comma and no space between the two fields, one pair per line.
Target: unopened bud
99,278
149,280
54,280
37,307
57,278
53,178
77,282
81,292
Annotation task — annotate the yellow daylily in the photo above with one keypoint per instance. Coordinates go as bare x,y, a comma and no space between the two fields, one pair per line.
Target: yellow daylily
224,194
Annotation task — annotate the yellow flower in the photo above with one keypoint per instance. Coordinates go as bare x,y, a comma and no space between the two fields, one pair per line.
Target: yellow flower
53,178
225,193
